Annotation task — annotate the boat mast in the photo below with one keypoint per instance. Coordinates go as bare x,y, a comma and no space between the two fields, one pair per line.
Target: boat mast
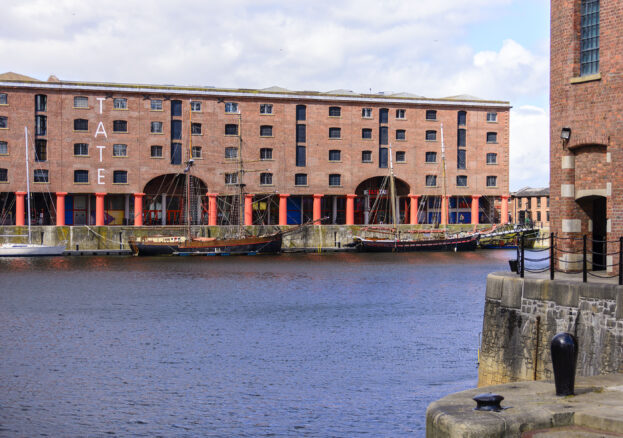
240,176
187,173
27,183
392,188
443,183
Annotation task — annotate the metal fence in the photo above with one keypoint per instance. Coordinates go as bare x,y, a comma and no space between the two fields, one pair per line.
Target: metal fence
539,264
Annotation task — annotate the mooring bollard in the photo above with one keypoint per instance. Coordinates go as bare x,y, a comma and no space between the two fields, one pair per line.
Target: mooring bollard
488,402
564,348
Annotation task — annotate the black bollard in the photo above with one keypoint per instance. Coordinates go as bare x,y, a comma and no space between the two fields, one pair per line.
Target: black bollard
488,402
564,348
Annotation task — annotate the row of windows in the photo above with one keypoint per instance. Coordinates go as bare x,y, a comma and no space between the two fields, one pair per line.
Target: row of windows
80,176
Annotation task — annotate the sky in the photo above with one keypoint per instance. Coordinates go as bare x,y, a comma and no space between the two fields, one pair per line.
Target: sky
493,49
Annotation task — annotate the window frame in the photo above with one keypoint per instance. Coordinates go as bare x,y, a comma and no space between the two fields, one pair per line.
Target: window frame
401,134
494,178
366,131
81,172
78,147
118,123
492,117
403,159
333,153
430,153
335,111
117,173
158,107
363,157
156,124
266,130
334,130
228,153
196,153
4,145
432,178
78,99
120,104
432,113
232,108
4,99
333,177
4,171
296,179
494,138
431,133
4,122
366,113
196,128
401,114
266,179
195,106
231,178
229,126
266,109
45,173
266,154
79,121
494,155
462,177
153,148
122,147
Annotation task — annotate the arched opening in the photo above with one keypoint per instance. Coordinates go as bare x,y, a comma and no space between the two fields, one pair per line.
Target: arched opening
372,205
169,200
595,208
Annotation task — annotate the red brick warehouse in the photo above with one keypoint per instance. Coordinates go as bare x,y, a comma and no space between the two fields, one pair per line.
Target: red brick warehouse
586,138
113,153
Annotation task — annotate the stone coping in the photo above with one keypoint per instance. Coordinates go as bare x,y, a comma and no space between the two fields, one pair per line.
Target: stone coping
532,406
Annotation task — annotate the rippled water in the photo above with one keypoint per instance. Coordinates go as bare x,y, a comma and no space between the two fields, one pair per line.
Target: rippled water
294,345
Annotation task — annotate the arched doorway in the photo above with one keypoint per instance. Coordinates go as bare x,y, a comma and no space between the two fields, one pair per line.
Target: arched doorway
168,198
595,208
373,206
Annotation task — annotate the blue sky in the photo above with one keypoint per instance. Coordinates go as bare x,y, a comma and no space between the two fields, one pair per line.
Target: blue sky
495,49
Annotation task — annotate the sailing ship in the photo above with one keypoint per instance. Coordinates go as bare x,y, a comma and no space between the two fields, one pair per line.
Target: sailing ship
507,237
241,243
395,243
29,249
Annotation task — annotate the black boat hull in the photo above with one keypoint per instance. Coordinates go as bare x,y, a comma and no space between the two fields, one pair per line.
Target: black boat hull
268,245
389,245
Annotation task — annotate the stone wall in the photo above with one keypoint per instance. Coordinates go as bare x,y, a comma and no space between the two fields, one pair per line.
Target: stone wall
116,237
522,315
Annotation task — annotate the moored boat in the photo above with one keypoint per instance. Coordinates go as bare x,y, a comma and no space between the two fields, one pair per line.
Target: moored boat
250,245
465,243
508,238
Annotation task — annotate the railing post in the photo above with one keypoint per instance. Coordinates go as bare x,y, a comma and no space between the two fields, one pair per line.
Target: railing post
621,261
523,257
584,273
552,259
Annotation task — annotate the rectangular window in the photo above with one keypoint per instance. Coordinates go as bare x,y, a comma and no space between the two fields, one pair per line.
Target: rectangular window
156,127
266,108
231,178
301,156
366,133
492,137
401,114
266,179
4,100
431,157
366,156
195,106
431,115
366,113
176,129
461,118
195,128
4,175
401,157
335,111
461,180
383,115
176,108
120,150
492,158
589,37
383,135
4,148
538,202
538,216
335,180
231,129
335,155
461,159
431,135
156,105
301,113
383,158
4,122
120,103
41,150
81,149
266,154
266,131
120,177
176,153
431,180
301,133
41,102
547,215
492,181
41,176
81,102
156,151
81,176
335,132
120,126
231,153
196,152
81,125
231,108
41,125
492,117
461,137
300,179
401,134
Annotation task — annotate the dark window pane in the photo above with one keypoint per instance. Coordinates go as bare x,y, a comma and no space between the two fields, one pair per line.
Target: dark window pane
461,137
176,153
156,151
120,126
366,133
176,129
461,180
335,132
383,115
266,154
195,128
401,134
461,159
492,181
266,131
383,135
41,125
335,155
41,102
492,158
301,133
431,135
41,150
401,157
81,176
4,175
41,175
120,177
231,129
335,111
431,115
301,156
431,157
431,180
589,37
462,118
335,179
366,156
266,178
383,158
492,137
300,179
81,125
176,108
301,112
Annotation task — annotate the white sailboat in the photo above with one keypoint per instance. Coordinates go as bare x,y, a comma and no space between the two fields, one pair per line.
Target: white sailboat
30,249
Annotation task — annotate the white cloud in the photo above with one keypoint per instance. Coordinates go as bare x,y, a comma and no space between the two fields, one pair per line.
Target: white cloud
529,152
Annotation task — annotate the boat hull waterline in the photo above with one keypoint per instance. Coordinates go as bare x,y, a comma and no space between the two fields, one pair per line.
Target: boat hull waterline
29,250
244,246
468,243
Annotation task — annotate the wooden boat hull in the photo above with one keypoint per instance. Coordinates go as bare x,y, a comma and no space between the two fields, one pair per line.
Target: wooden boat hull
508,240
468,243
30,250
242,246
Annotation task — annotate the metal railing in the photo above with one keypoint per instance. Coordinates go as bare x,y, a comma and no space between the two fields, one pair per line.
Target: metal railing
526,262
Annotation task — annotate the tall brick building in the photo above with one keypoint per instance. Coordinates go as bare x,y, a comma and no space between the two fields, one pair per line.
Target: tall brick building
586,137
116,153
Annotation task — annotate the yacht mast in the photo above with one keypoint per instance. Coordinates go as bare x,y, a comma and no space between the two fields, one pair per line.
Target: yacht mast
392,188
27,184
444,206
240,177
